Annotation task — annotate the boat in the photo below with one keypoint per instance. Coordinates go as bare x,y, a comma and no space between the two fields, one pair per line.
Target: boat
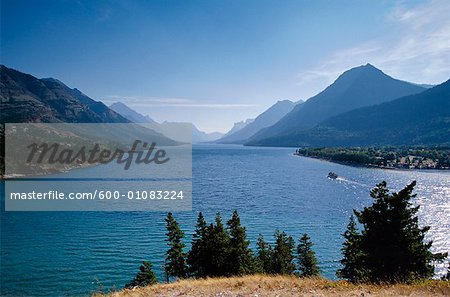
332,175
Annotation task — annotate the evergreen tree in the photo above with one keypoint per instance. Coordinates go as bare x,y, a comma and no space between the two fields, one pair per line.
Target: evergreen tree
196,256
307,262
218,247
175,265
240,255
145,276
283,254
392,243
353,267
263,256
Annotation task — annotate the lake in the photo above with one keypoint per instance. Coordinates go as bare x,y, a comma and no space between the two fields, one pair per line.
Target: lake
76,253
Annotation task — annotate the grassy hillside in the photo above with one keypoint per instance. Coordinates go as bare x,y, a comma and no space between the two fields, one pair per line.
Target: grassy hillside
261,285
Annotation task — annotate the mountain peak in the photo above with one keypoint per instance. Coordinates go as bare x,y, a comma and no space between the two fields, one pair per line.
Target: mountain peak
129,113
119,104
284,101
352,75
365,68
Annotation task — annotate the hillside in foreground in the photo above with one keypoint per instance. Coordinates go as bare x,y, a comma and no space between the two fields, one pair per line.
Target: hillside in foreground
261,285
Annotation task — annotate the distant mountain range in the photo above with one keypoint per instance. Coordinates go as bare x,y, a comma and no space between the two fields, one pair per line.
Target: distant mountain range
238,126
420,119
165,127
363,107
358,87
200,136
265,119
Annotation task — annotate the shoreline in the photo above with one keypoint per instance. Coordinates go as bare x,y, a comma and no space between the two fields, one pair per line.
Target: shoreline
352,164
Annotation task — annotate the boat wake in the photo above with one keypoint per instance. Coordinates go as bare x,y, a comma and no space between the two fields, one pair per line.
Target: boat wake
352,182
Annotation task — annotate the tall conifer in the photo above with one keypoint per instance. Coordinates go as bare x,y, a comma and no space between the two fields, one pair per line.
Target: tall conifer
307,261
240,255
175,265
391,247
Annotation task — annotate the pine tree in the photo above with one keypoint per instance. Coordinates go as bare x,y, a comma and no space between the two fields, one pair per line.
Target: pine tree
145,276
392,243
353,267
175,265
307,261
240,255
283,254
263,256
218,248
196,256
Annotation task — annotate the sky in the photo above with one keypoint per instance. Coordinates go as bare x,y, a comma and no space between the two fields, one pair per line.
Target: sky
213,62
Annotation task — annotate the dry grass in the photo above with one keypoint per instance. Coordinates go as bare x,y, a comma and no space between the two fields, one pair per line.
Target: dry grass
263,285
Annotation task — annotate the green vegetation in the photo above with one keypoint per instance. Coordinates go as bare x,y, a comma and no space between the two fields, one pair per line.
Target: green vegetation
385,157
197,255
390,247
283,254
217,243
307,261
352,266
240,255
263,256
145,276
175,265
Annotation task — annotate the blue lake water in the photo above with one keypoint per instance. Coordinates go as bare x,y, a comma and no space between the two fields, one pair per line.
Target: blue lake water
76,253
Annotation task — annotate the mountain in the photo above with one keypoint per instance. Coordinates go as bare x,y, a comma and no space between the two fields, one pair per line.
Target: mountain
166,128
357,87
200,136
27,99
24,98
130,114
420,119
238,126
269,117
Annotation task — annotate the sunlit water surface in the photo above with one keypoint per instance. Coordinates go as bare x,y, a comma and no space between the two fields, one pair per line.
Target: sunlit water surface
76,253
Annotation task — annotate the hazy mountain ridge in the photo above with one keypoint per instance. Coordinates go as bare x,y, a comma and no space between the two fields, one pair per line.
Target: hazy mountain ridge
200,136
269,117
358,87
420,119
238,126
165,127
130,114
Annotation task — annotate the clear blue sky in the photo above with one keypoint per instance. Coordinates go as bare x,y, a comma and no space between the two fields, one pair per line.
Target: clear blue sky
217,62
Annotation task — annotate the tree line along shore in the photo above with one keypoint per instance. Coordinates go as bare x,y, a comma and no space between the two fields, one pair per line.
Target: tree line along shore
384,157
